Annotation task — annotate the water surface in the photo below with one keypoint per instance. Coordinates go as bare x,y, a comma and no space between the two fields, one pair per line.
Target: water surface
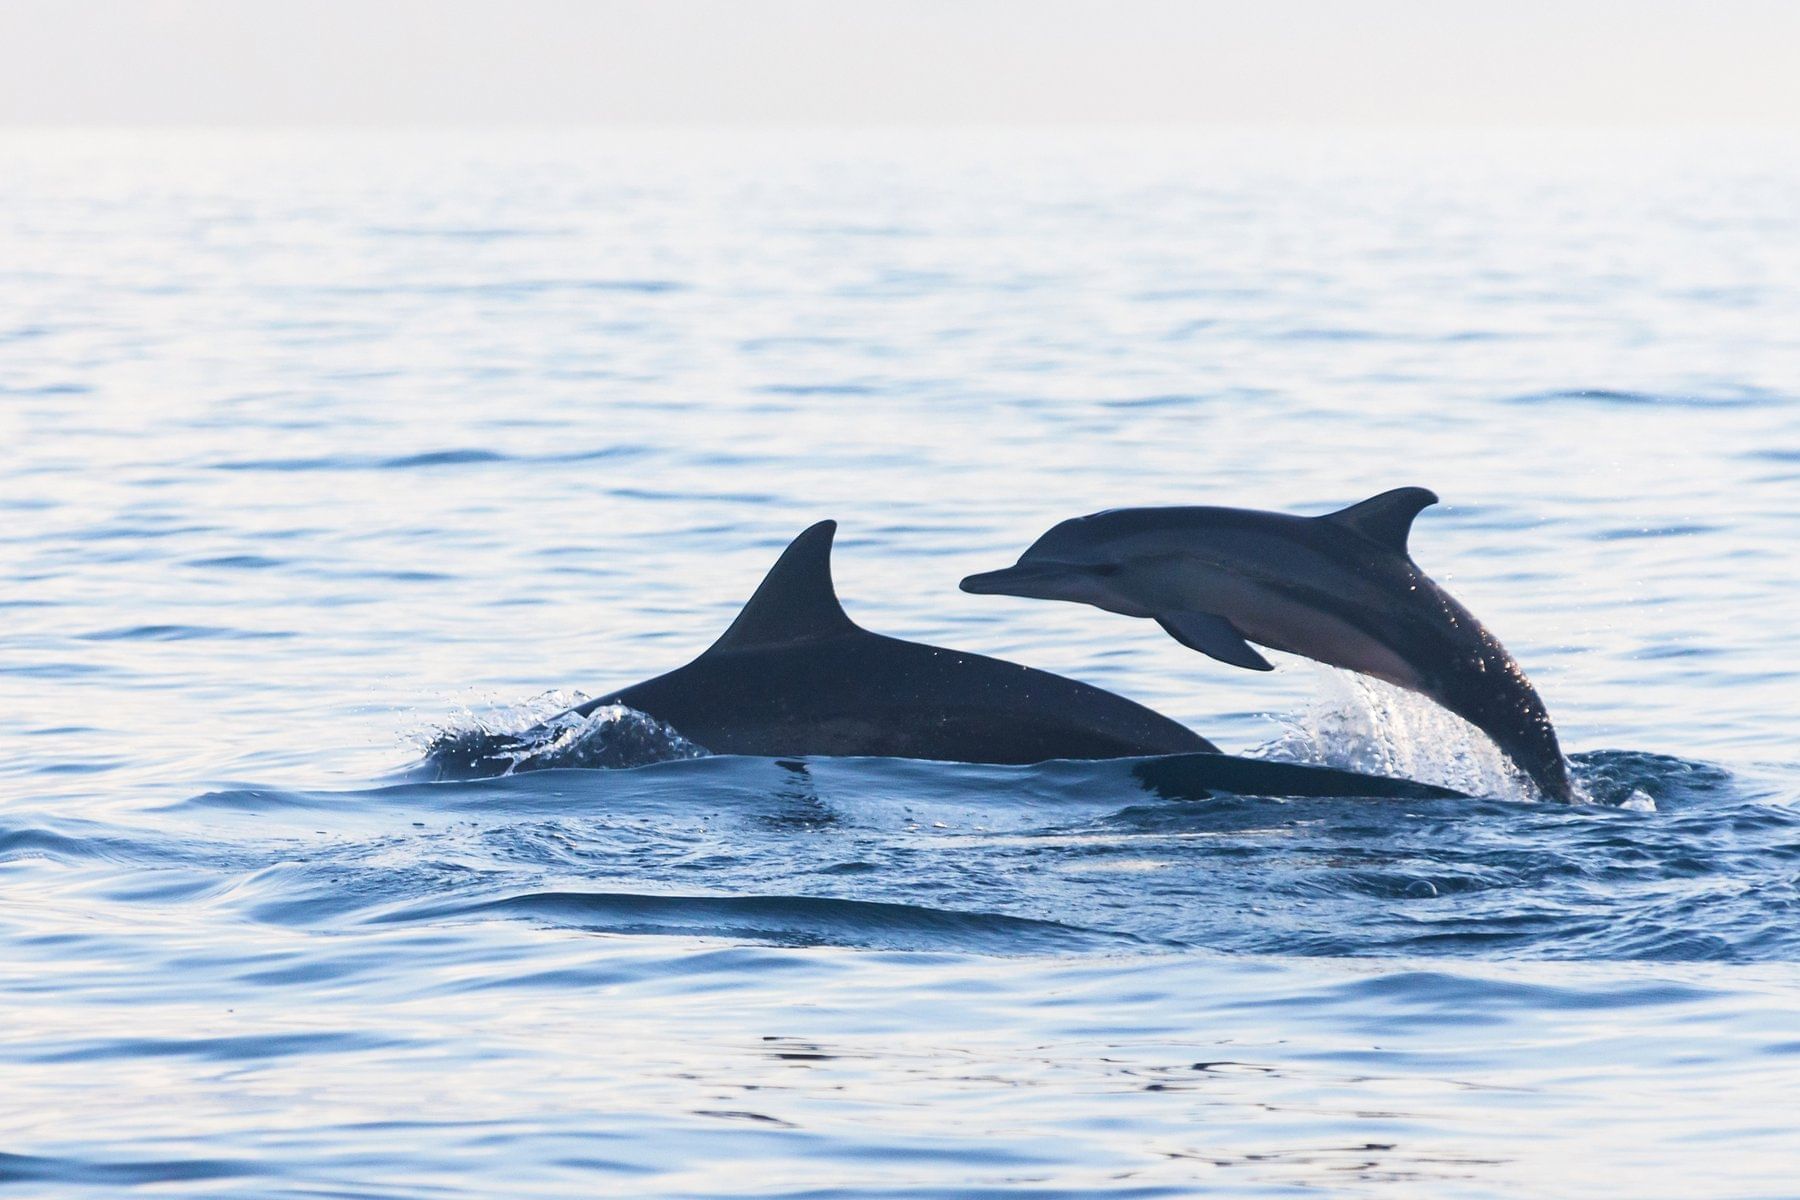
317,447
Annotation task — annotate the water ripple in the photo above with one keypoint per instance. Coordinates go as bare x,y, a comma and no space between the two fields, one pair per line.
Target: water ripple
333,437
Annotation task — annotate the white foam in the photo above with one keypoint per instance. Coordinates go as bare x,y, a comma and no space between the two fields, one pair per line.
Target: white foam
544,732
1362,724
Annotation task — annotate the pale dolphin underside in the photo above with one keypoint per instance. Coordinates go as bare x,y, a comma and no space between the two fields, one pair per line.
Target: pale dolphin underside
794,676
1341,588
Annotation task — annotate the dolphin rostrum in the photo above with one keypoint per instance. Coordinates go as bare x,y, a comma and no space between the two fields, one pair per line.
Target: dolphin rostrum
795,676
1340,588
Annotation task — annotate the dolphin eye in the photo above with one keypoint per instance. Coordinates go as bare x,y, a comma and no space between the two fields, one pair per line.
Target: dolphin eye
1104,569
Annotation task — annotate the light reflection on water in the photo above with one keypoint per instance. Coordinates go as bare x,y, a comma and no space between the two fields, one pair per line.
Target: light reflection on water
314,443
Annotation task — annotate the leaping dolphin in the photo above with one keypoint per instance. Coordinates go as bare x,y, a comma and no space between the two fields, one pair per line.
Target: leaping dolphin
795,676
1341,589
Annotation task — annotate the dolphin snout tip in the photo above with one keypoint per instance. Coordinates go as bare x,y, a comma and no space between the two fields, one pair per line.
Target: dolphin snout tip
986,583
1021,579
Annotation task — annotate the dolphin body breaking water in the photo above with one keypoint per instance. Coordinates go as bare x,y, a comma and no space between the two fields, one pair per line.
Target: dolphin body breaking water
1341,589
795,676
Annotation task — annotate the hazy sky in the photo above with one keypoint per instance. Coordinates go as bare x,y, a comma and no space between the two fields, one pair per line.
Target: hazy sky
932,62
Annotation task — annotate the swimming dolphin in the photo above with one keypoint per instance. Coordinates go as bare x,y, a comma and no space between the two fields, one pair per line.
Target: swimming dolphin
1340,588
795,676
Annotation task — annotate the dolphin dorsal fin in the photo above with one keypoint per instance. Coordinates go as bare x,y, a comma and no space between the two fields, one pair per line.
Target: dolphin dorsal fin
795,601
1385,519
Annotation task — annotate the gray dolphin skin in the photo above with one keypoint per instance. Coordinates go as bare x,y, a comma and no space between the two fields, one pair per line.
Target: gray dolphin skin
794,676
1340,588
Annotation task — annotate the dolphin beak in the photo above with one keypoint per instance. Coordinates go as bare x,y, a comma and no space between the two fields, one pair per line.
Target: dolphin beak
1025,579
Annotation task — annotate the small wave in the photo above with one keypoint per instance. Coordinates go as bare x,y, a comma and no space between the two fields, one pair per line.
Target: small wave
1443,997
178,633
1616,398
62,670
31,1168
238,562
227,1049
48,389
453,457
443,458
1628,778
786,920
1640,532
524,739
42,843
1166,400
262,799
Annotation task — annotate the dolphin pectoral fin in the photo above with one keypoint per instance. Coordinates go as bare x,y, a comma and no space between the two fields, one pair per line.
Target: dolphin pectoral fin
1214,636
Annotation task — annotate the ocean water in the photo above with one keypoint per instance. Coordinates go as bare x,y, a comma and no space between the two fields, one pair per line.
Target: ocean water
319,448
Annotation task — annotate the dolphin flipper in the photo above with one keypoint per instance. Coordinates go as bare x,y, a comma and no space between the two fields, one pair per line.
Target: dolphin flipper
1213,635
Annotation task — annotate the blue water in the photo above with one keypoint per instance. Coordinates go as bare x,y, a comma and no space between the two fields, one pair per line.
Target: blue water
319,449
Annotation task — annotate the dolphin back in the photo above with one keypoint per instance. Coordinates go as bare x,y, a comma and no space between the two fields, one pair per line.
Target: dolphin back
794,675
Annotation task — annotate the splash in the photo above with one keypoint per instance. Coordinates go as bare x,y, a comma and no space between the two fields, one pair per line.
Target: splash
546,732
1362,724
